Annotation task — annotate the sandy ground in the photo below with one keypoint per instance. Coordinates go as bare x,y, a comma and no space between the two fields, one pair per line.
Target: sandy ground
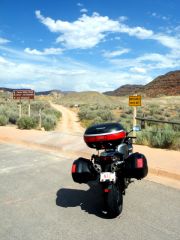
68,139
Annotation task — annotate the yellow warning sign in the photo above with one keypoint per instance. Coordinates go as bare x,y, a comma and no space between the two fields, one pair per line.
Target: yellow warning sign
135,101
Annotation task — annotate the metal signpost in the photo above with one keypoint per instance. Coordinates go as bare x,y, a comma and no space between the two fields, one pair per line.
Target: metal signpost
135,101
23,94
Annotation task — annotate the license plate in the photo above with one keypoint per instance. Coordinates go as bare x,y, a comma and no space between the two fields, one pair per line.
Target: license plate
107,176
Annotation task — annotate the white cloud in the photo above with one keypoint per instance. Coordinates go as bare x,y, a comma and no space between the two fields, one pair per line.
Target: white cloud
154,14
138,70
46,51
138,32
159,16
88,31
117,53
168,41
148,62
71,75
79,4
83,10
3,40
3,60
123,18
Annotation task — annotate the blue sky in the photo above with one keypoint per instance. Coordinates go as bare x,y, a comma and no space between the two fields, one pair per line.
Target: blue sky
87,45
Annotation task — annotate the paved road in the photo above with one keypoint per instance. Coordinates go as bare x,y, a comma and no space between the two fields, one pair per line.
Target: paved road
38,200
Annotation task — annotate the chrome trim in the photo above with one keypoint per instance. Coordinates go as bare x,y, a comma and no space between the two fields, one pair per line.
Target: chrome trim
102,134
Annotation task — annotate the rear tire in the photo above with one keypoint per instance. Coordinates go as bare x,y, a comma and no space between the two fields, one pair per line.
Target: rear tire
114,201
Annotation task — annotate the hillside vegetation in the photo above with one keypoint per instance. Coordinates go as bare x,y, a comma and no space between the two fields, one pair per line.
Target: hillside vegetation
96,108
9,113
84,98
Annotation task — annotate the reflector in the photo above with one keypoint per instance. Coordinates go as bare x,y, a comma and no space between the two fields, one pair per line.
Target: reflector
107,190
140,163
73,170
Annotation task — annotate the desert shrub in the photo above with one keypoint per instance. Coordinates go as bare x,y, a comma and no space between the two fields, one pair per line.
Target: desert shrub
36,105
26,123
153,109
159,138
49,122
52,112
106,115
3,120
13,115
92,112
126,123
129,110
176,141
2,110
142,137
90,115
97,120
123,115
10,111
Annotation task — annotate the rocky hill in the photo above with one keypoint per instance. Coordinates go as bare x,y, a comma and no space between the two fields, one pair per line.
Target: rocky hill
125,90
168,84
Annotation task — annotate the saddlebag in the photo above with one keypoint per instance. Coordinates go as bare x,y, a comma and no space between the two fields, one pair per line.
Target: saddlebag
136,166
83,171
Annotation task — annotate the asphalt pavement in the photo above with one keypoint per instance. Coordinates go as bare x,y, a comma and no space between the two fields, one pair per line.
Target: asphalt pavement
39,200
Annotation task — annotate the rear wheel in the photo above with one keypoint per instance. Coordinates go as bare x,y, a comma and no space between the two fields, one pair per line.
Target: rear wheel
114,201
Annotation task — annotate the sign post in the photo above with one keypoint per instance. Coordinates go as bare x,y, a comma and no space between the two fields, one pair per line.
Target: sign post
135,101
23,94
40,119
20,109
29,108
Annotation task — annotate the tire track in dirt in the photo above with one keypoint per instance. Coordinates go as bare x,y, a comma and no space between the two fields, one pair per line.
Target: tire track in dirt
69,122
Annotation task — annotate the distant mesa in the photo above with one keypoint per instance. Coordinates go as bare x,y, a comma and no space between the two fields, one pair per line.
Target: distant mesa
42,93
164,85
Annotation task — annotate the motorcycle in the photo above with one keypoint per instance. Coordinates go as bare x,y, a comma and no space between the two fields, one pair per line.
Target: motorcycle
114,166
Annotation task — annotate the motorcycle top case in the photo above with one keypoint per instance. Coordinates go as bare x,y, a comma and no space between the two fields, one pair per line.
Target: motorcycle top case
83,171
136,166
104,136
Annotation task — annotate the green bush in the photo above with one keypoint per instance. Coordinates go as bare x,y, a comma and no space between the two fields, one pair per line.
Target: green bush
159,138
97,120
163,138
3,120
49,122
176,141
95,113
26,123
13,116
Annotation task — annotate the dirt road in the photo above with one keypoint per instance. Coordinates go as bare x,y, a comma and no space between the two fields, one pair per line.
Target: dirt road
69,122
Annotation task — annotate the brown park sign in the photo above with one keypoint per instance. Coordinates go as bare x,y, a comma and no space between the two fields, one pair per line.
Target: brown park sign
135,101
23,94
